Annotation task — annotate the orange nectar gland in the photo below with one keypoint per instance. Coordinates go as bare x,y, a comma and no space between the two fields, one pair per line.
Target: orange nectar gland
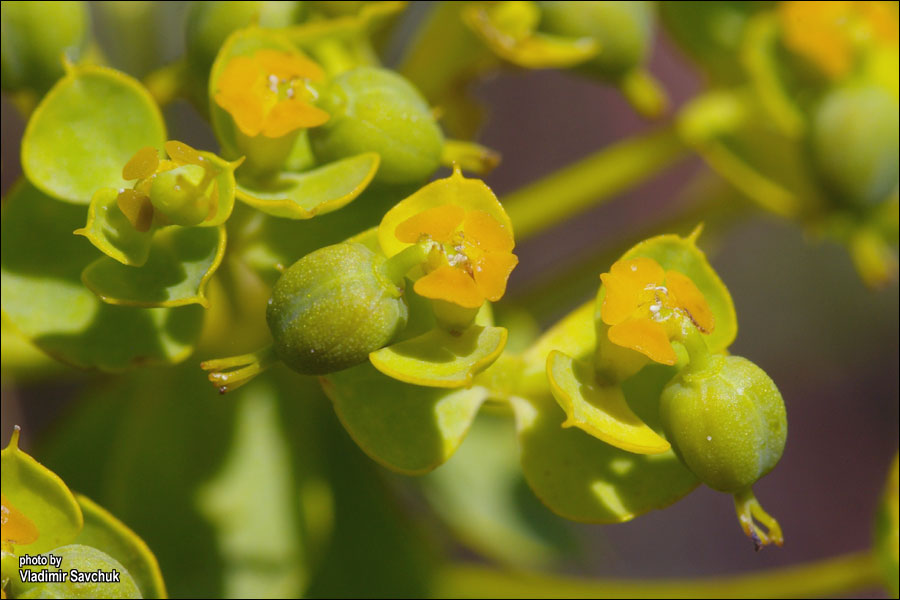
269,93
15,528
645,307
469,254
145,166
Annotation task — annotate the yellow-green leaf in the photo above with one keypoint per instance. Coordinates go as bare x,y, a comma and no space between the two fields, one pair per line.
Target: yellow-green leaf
44,298
84,131
407,428
40,495
180,263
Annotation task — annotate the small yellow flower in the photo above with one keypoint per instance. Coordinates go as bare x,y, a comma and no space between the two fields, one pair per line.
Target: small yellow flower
831,34
135,203
268,93
641,299
469,237
15,528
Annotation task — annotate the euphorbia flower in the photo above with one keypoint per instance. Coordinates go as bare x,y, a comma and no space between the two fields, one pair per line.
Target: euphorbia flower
468,237
197,200
831,34
268,93
642,299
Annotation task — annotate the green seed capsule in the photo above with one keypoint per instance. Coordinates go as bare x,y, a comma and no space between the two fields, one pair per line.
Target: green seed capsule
333,307
623,29
726,422
183,194
87,561
375,110
854,143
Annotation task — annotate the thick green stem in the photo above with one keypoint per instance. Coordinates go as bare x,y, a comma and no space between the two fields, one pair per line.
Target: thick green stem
834,576
591,181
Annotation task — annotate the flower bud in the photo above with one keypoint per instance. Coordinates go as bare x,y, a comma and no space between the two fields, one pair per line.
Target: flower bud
87,561
726,421
333,307
183,194
854,143
375,110
623,29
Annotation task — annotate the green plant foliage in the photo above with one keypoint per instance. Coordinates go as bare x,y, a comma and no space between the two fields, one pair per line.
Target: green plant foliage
85,559
408,428
84,131
104,532
179,264
614,485
484,498
255,532
42,273
42,494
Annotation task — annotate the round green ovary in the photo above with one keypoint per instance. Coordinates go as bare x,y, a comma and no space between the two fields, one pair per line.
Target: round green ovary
374,110
623,30
854,143
332,308
182,194
86,560
727,424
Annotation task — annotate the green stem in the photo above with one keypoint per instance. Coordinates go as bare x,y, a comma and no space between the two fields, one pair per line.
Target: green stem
396,267
829,577
591,181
